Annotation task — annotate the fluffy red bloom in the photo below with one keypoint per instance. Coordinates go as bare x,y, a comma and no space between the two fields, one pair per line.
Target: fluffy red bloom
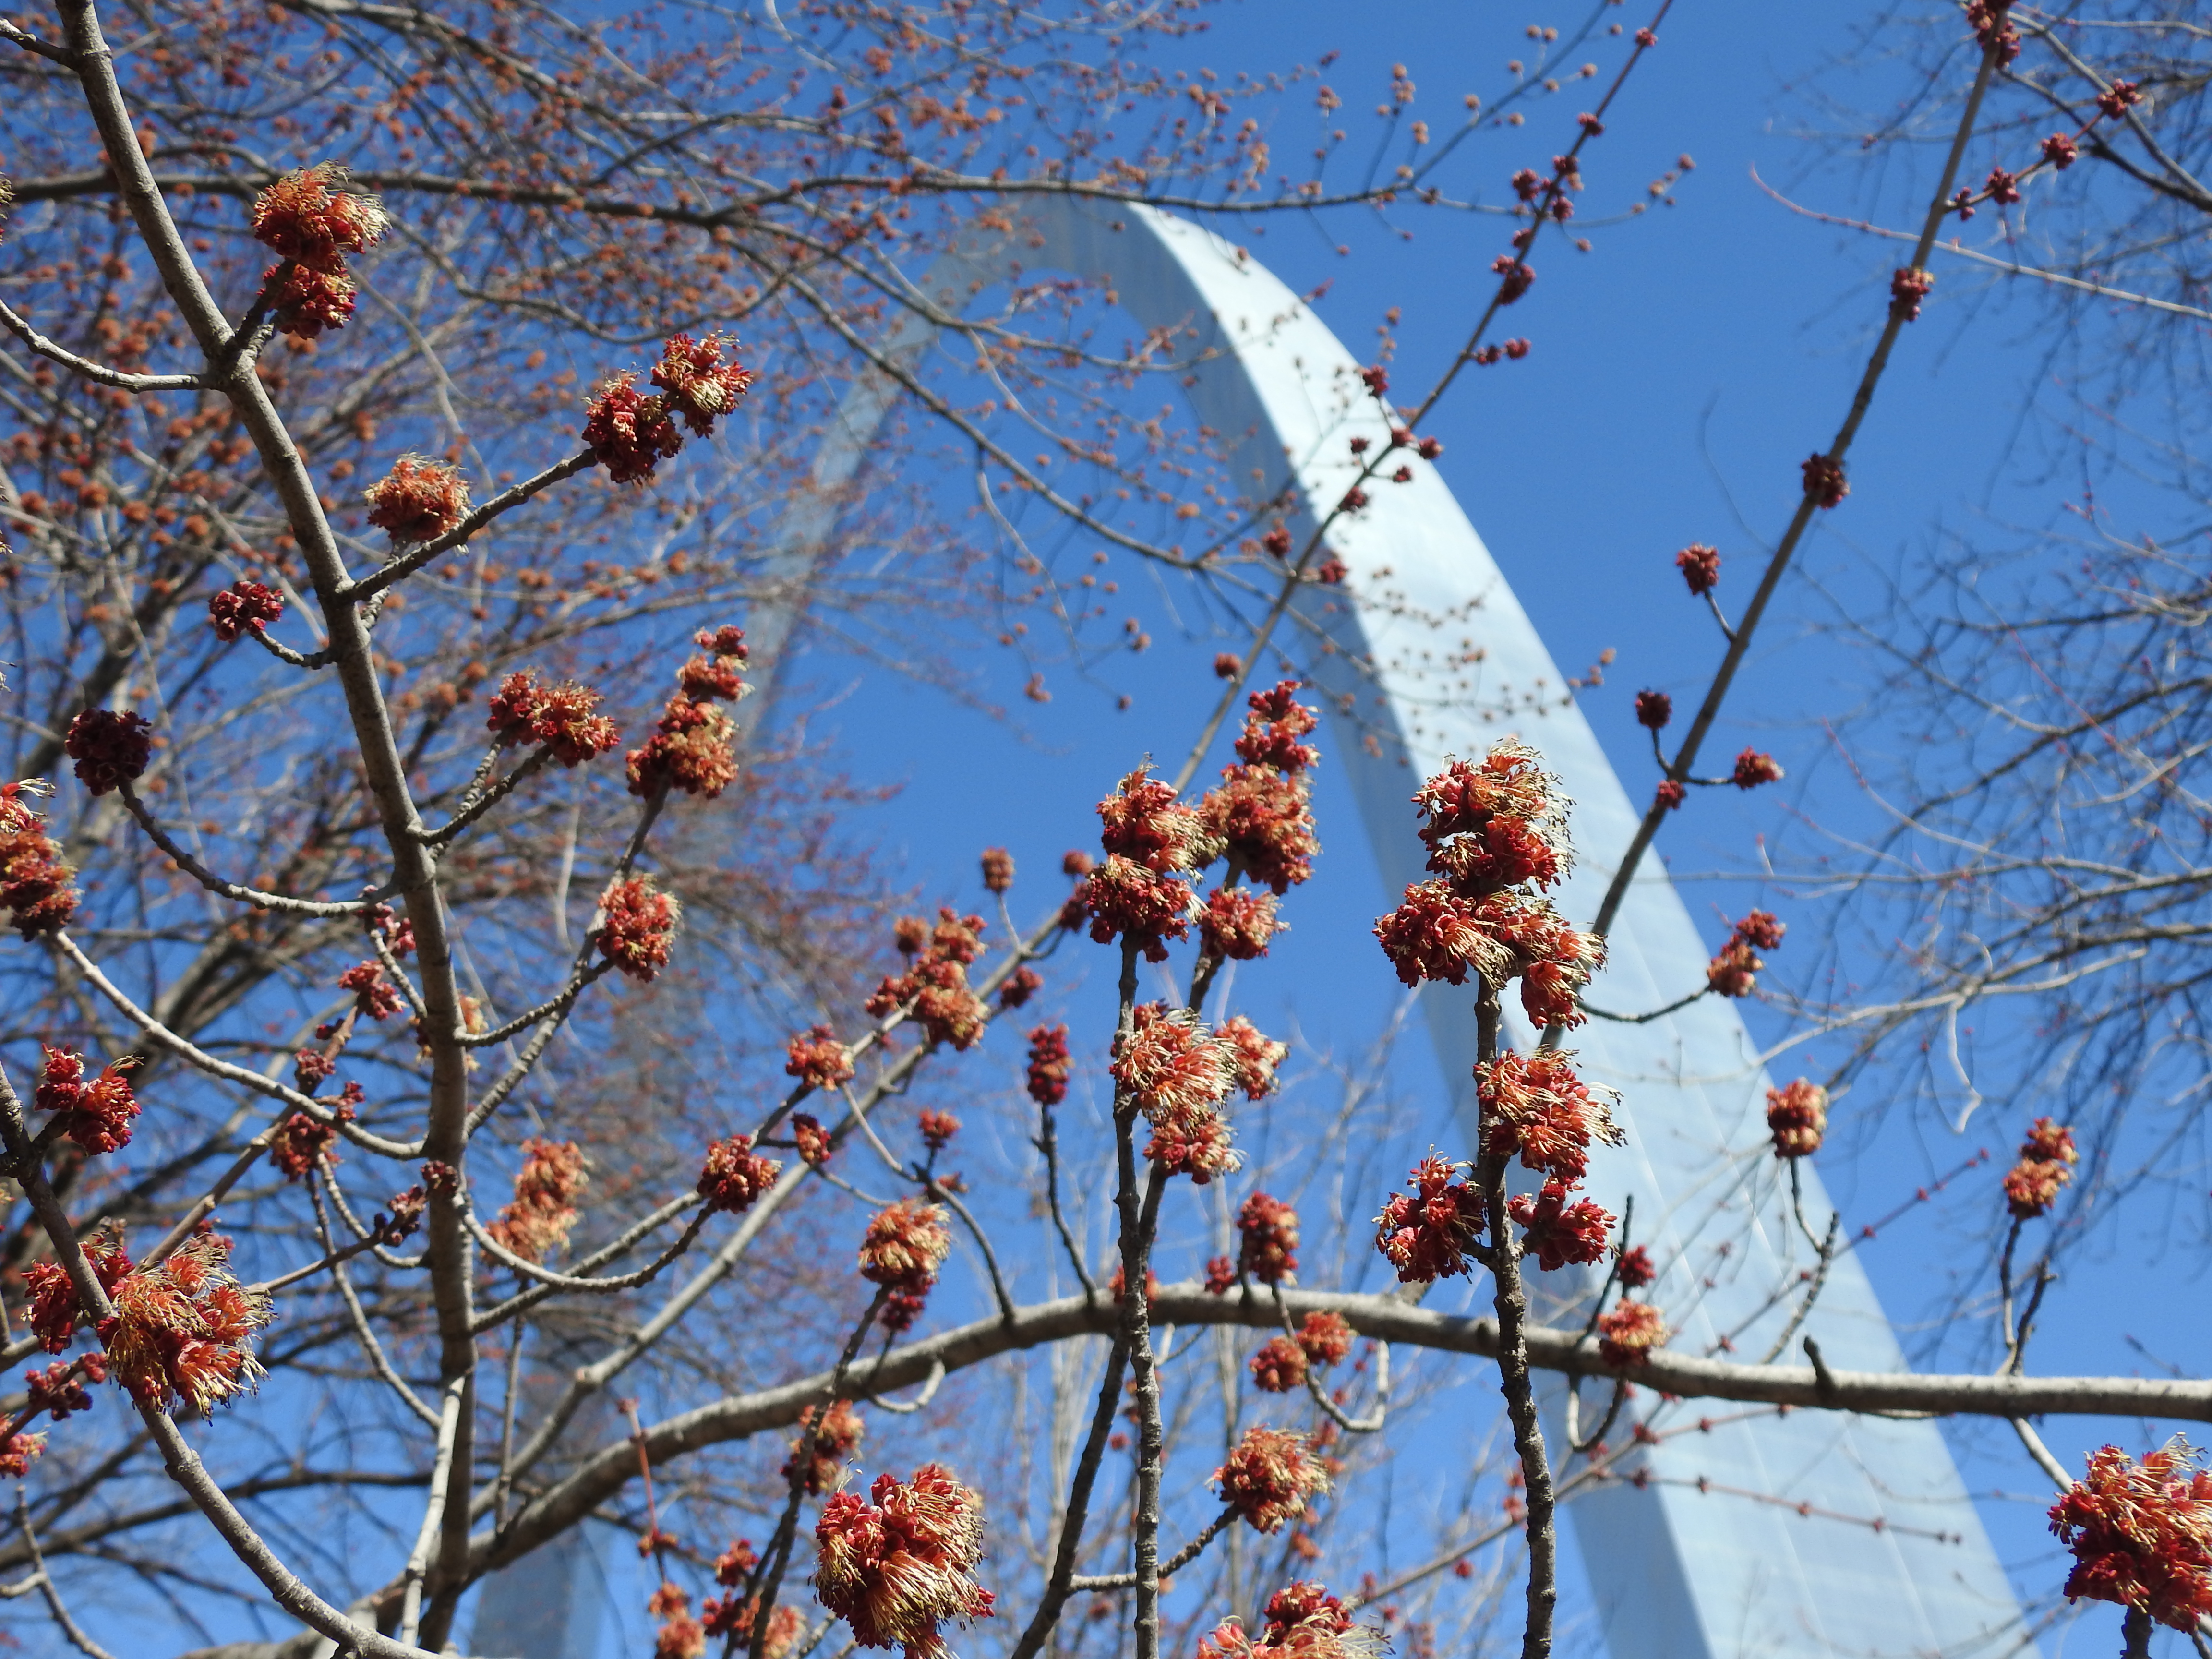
727,1616
2060,150
305,216
1050,1066
1272,730
54,1308
19,1451
1425,1234
1437,933
735,1174
629,433
938,1129
1628,1331
543,1212
1433,935
904,1246
180,1329
1824,480
1262,819
1304,1621
304,302
1144,824
818,1060
1797,1117
2032,1186
1498,822
2051,1141
1635,1268
1221,1275
706,680
1268,1246
811,1139
835,1440
1078,863
2142,1533
524,710
96,1115
1256,1056
1227,664
689,750
1324,1338
1734,971
1700,565
1654,710
244,607
700,386
1754,768
110,746
34,878
1175,1071
896,1568
1669,793
637,927
1907,288
374,996
1762,928
1198,1147
1019,987
1537,1106
998,869
935,992
418,500
301,1144
1279,1367
1560,1233
1237,922
1270,1477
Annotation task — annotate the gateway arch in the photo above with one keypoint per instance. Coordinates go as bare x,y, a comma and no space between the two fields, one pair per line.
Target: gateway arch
1810,1534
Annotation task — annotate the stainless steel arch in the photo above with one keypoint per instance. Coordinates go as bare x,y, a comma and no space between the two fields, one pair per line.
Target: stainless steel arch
1706,1560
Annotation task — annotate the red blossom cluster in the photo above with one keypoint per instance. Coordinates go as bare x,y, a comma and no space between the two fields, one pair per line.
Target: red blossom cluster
1993,28
1700,565
935,990
2046,1160
836,1438
1907,287
1561,1234
1628,1332
1049,1067
938,1129
180,1328
631,431
1824,480
905,1244
95,1114
897,1567
702,385
678,1635
2142,1533
301,1144
1797,1118
1754,768
525,709
811,1139
374,997
312,225
1255,1055
543,1212
1268,1247
1654,710
1427,1234
732,1617
1177,1073
1324,1338
1280,1367
1634,1268
303,303
1303,1621
1237,922
690,748
54,1308
35,883
1270,1477
243,607
818,1060
1019,987
1536,1106
998,870
637,924
111,746
418,500
1734,972
735,1174
56,1391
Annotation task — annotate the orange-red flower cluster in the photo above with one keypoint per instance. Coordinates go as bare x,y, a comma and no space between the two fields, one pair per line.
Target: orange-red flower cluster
1177,1073
95,1114
1271,1476
899,1567
1734,972
110,746
638,924
905,1244
1628,1331
1797,1118
1279,1366
1537,1106
679,1636
2046,1157
729,1616
1324,1338
818,1060
935,990
690,748
1049,1067
301,1144
34,878
54,1307
543,1212
938,1129
2142,1533
1304,1621
1267,1249
998,870
1261,814
1560,1233
631,431
243,607
811,1139
1257,1055
1237,922
524,710
702,385
306,220
838,1438
180,1329
418,500
1426,1234
735,1174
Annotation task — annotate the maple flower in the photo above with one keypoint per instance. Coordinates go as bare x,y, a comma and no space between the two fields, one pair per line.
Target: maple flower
1143,823
19,1451
54,1307
1262,819
1272,728
729,1616
1050,1066
303,301
1700,565
306,217
2141,1533
1268,1248
700,386
243,607
2060,151
1324,1338
1907,288
905,1244
818,1060
839,1436
1734,971
629,433
301,1144
543,1212
2051,1141
1498,822
1279,1366
111,746
938,1129
418,500
1635,1268
897,1566
1237,922
1270,1477
1200,1147
1536,1105
374,996
638,924
97,1115
180,1328
34,878
689,750
1653,708
998,870
1175,1071
1303,1621
525,710
1019,987
1433,935
1824,480
1797,1117
1560,1233
1754,768
2032,1186
1425,1234
735,1174
1628,1331
1221,1275
1256,1056
811,1139
946,1009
